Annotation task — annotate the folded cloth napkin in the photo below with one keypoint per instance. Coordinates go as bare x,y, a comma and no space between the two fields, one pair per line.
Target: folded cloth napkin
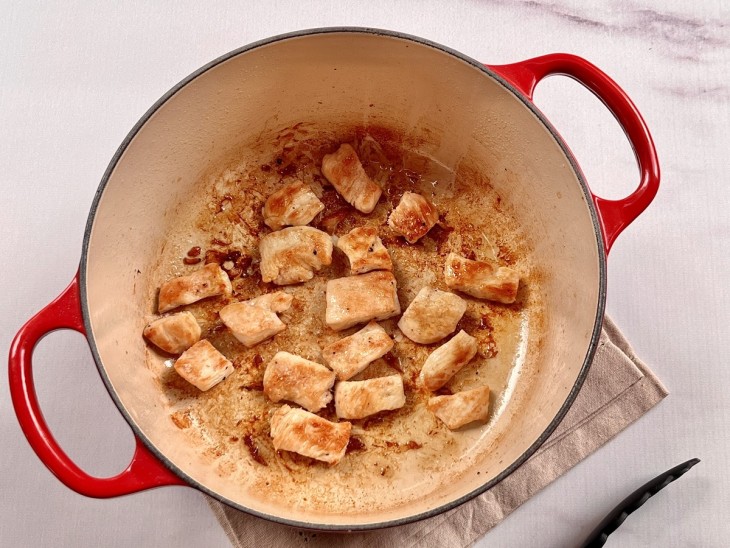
618,390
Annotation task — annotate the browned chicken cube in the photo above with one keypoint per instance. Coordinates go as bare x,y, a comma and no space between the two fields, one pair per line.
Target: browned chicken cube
278,301
461,408
309,435
481,279
203,366
255,320
413,217
350,355
209,281
344,170
292,378
444,362
361,298
175,333
432,315
292,255
359,399
293,205
364,250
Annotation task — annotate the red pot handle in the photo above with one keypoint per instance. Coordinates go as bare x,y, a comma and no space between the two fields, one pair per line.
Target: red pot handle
615,215
144,472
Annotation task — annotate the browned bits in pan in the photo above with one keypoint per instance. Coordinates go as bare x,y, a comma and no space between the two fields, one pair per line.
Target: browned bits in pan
214,256
393,361
440,234
233,262
506,256
225,203
355,444
194,251
288,170
253,449
181,419
468,252
191,260
480,328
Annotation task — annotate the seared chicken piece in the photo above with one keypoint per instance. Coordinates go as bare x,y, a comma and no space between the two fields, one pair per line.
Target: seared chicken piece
413,217
292,255
481,280
255,320
277,301
461,408
432,315
358,299
358,399
344,170
203,366
293,205
447,360
175,333
209,281
348,356
309,435
292,378
365,251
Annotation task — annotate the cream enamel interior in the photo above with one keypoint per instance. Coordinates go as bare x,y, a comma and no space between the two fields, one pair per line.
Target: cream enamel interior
460,114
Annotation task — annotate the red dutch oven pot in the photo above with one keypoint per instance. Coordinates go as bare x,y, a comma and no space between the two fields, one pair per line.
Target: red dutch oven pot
197,122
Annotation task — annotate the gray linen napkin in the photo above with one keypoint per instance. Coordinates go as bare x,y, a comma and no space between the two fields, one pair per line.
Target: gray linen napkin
618,390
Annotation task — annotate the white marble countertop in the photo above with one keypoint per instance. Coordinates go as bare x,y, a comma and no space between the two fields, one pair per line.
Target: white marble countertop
75,77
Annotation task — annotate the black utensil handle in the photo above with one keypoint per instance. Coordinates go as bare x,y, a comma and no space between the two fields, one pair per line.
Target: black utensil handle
617,516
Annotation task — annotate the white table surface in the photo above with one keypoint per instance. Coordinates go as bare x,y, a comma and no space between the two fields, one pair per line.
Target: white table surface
75,77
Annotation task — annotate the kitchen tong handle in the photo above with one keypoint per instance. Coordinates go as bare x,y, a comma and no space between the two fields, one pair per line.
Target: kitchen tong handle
615,215
633,502
145,470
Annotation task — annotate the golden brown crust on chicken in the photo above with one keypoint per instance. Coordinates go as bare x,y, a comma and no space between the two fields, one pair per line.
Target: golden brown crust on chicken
344,170
461,408
292,205
365,250
432,315
444,362
292,378
309,435
255,320
250,324
292,255
359,399
350,355
481,279
278,301
413,217
209,281
175,333
203,366
358,299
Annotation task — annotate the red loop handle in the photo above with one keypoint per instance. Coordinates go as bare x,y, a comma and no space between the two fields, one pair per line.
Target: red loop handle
615,215
144,472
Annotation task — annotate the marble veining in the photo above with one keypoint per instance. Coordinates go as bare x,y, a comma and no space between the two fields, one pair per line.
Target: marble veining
715,93
678,36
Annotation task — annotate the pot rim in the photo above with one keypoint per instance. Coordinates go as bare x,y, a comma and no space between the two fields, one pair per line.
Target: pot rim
592,346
